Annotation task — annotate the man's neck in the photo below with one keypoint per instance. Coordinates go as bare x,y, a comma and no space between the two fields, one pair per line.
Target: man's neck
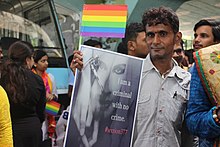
163,65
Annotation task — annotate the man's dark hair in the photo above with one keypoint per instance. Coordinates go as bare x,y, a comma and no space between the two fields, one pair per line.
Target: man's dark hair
212,23
161,15
92,43
182,44
131,33
122,48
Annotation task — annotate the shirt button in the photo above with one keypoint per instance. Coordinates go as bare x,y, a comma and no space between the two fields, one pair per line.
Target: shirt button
158,132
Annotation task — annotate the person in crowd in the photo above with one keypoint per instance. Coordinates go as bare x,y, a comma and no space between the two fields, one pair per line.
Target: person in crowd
134,42
206,33
40,66
165,86
189,57
62,122
6,139
26,93
199,117
93,43
179,55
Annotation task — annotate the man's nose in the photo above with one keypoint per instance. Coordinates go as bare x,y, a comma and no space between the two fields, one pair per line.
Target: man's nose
197,39
156,39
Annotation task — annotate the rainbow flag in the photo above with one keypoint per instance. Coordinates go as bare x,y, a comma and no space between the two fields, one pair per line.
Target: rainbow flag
104,20
52,107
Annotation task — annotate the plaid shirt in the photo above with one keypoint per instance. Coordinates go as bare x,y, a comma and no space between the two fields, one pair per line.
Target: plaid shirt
199,113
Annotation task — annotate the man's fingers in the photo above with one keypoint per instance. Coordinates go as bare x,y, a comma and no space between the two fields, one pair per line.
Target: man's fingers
89,117
76,116
85,141
84,112
95,133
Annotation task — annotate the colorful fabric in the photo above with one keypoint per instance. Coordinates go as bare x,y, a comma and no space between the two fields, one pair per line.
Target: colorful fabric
208,66
47,81
104,20
199,113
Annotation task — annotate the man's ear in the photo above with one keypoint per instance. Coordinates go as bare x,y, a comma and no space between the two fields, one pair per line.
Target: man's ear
178,37
130,45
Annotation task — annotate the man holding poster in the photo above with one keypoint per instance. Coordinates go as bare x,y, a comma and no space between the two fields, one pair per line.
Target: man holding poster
164,87
105,98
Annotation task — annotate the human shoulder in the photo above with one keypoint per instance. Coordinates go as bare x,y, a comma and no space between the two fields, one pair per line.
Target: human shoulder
35,78
3,94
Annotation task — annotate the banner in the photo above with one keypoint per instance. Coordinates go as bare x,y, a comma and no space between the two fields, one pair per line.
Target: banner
104,100
104,20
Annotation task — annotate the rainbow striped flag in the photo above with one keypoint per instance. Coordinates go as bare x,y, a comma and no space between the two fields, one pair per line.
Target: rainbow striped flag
104,20
52,107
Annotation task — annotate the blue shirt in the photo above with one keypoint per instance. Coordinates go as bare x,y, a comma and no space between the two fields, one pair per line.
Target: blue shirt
199,113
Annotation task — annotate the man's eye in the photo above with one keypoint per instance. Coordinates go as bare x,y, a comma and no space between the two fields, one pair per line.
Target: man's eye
195,35
163,34
203,35
150,34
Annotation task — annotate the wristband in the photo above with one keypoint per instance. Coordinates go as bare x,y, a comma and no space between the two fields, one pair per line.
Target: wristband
215,115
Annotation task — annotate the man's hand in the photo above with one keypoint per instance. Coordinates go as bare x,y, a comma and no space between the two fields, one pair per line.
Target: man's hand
77,62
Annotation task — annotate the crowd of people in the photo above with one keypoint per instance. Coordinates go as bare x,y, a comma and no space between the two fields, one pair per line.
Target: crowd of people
174,108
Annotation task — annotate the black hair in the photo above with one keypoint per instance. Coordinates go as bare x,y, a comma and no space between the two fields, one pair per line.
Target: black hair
131,34
212,23
92,43
38,54
122,48
182,44
189,54
161,15
13,74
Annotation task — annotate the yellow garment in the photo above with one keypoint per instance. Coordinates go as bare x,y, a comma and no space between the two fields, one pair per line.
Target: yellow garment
5,121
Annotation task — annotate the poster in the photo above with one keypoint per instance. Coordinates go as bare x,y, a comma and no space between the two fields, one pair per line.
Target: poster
104,100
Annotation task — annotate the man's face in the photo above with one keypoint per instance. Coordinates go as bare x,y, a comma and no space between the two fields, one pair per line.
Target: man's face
140,45
160,41
203,37
178,53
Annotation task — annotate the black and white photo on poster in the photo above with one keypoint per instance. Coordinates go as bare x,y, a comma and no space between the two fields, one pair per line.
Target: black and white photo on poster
104,100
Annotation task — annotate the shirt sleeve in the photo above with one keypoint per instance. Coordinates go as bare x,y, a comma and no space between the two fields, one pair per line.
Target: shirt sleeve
5,121
199,111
